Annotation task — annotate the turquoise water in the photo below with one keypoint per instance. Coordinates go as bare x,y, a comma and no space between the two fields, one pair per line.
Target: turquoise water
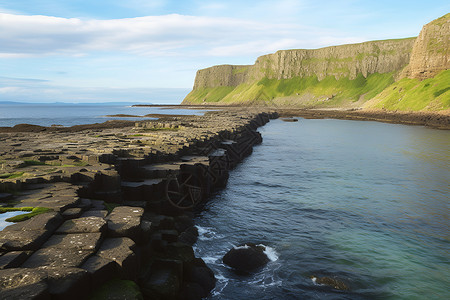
77,114
364,202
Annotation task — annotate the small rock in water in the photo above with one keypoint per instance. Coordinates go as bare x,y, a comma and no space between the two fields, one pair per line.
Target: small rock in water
289,119
246,258
331,282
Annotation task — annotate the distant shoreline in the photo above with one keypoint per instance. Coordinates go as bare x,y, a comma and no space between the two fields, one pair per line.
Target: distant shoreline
429,119
437,120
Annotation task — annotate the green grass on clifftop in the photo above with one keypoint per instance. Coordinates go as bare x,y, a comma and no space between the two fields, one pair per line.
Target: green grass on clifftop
411,94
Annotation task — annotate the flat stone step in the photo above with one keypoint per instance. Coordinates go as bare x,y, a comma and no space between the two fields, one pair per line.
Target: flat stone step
137,184
195,159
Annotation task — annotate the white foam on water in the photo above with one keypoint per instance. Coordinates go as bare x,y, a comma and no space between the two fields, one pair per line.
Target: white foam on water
241,247
271,253
221,284
207,233
211,259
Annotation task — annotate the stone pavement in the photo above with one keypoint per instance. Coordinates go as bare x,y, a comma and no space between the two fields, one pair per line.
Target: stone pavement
121,203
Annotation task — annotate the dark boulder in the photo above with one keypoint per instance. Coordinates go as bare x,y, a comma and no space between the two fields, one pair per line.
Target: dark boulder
246,258
189,236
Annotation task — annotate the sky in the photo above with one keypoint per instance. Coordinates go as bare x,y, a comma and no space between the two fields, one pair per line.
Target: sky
149,50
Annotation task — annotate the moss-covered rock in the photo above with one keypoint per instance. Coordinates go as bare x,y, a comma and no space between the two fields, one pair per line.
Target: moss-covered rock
117,289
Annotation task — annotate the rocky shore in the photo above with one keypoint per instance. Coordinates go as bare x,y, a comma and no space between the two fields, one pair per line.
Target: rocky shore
119,199
438,120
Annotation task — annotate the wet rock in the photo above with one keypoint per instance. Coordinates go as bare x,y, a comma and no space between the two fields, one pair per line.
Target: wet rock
246,258
179,251
125,221
18,283
183,222
189,236
68,283
117,289
85,224
198,275
163,280
193,291
121,251
169,235
13,259
100,269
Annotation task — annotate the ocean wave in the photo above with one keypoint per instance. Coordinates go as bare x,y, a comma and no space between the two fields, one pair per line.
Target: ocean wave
207,233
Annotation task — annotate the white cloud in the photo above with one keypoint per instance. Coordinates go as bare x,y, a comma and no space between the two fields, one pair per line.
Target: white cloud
152,35
9,89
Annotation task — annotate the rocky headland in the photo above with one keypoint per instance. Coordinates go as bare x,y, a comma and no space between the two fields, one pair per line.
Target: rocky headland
410,74
108,208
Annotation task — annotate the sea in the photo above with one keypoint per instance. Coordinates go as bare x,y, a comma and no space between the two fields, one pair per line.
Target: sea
365,203
66,114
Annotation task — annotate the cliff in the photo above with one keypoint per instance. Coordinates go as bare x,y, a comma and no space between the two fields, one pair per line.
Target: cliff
338,76
431,51
425,83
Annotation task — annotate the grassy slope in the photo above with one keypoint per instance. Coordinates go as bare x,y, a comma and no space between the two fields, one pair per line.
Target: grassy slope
208,94
411,94
380,89
268,90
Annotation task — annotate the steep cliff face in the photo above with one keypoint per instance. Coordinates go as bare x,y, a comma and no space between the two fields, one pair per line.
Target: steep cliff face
339,76
431,51
425,83
223,75
338,61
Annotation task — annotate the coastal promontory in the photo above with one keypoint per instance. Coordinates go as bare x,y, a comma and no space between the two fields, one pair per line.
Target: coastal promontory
408,74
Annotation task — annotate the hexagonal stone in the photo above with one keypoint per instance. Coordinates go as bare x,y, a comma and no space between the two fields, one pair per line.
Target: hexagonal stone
121,251
55,257
125,221
85,224
101,269
60,203
98,204
22,240
18,283
68,283
95,213
72,213
78,241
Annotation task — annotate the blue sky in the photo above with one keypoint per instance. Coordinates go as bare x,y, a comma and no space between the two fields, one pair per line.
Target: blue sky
149,51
